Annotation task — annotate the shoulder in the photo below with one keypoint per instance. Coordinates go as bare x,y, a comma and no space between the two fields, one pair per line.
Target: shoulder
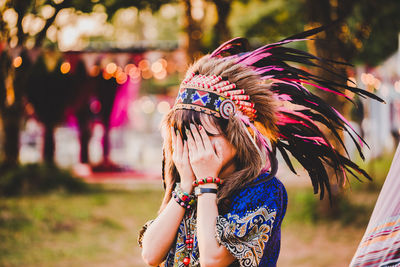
264,191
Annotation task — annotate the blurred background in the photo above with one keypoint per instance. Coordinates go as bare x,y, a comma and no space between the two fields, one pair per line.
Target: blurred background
85,84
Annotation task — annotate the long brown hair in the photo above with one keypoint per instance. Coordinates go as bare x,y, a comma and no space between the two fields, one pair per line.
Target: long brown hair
251,157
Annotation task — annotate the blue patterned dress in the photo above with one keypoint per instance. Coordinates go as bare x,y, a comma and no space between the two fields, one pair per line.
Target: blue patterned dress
250,230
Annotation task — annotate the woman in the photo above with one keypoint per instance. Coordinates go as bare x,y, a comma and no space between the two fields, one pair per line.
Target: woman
235,108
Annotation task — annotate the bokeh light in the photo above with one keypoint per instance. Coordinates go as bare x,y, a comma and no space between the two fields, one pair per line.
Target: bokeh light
95,106
29,109
397,86
147,74
163,62
134,73
111,68
144,65
94,71
129,67
157,67
106,75
160,75
65,67
17,62
11,17
163,107
121,77
147,105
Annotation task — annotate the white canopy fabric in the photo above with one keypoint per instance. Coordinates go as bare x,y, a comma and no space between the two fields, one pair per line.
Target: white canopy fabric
380,245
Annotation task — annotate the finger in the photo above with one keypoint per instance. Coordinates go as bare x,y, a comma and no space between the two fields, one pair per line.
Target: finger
197,137
191,143
189,149
179,144
218,150
185,154
206,139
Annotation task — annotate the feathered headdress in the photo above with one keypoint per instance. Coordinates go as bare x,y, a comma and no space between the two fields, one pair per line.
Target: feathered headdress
293,129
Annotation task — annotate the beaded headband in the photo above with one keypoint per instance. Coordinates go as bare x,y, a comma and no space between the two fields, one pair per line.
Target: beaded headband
212,95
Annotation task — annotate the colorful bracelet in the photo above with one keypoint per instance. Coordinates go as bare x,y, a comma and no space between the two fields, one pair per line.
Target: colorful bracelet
207,180
182,198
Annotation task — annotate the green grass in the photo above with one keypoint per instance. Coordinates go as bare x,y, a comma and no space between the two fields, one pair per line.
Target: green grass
74,230
378,169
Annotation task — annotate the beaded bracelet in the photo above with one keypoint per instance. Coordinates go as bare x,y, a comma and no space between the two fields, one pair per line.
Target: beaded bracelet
182,198
207,180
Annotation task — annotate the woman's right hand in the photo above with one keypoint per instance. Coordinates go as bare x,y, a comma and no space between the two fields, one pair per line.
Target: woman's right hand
180,157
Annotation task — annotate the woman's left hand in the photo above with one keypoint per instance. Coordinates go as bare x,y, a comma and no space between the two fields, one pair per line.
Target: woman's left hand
204,158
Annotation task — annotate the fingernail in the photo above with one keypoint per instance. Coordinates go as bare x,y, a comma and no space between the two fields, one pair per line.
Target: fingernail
177,132
200,127
187,131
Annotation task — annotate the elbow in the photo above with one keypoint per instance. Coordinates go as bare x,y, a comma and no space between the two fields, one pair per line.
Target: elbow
150,258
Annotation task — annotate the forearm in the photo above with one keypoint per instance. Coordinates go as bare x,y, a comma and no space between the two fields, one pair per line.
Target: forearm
211,252
161,234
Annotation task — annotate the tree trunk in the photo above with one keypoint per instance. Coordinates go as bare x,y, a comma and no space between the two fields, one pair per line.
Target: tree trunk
11,127
49,144
222,32
11,109
193,33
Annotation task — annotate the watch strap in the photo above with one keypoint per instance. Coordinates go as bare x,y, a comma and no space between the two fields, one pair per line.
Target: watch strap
201,190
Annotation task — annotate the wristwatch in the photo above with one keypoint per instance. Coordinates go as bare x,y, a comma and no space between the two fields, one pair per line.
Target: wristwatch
201,190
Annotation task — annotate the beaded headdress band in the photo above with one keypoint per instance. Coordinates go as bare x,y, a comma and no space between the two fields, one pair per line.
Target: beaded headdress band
212,95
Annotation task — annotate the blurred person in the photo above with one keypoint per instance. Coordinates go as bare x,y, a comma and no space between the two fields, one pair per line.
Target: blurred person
223,205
